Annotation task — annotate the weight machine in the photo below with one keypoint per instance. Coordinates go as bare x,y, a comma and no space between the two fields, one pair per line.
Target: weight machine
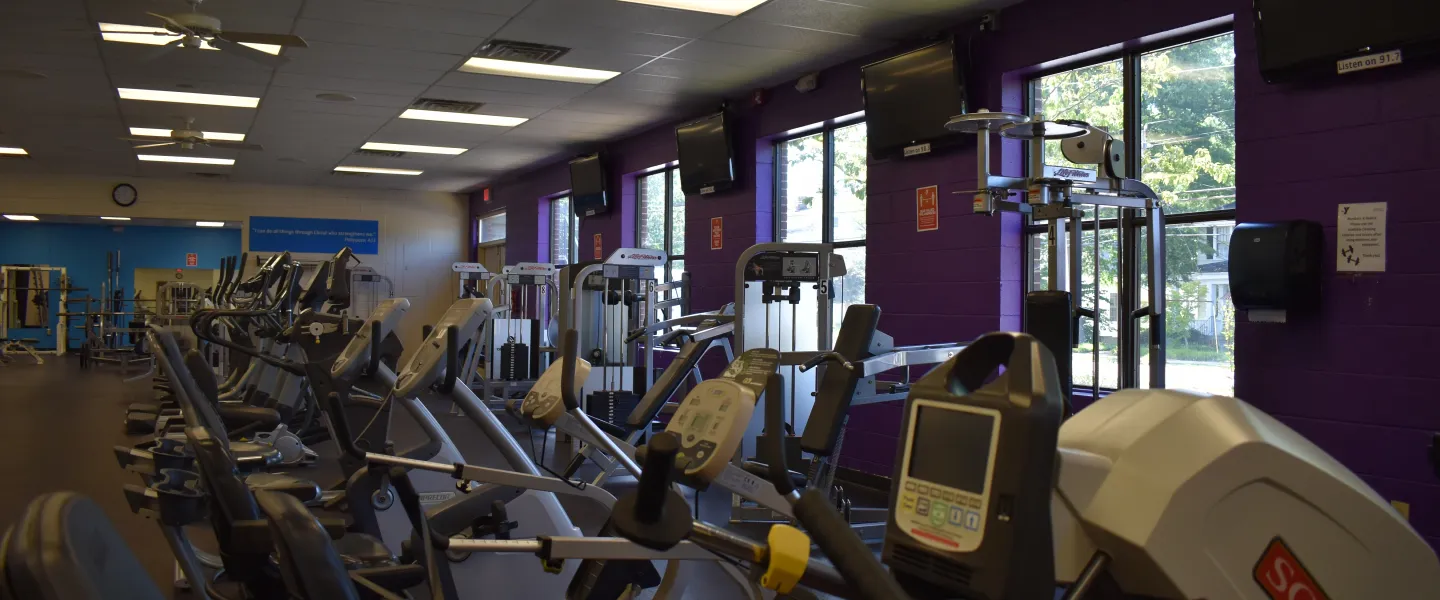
520,333
10,303
768,276
474,279
606,301
1052,315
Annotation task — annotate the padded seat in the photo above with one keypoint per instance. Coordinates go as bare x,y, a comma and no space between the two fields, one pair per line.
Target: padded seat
239,415
362,551
303,490
64,547
762,470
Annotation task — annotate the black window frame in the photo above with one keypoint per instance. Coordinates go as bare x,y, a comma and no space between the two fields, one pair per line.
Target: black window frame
827,209
670,173
1129,293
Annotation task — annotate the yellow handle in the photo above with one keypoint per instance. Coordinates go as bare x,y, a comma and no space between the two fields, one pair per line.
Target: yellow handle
789,555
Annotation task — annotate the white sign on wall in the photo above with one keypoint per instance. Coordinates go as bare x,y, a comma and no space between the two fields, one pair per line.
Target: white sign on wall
1360,242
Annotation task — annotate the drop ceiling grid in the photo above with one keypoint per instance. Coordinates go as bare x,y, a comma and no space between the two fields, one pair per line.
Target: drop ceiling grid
388,53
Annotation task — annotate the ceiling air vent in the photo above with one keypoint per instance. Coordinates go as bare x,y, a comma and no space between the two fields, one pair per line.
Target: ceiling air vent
381,153
455,106
210,175
522,51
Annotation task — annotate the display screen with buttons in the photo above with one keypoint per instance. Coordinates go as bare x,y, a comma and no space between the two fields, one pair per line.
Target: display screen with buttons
946,475
710,423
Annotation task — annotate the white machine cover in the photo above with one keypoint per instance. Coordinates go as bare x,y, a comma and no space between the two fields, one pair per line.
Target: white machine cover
1197,496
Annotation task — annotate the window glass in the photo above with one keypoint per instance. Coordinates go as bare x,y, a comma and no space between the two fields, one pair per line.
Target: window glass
849,289
1187,124
1094,94
677,215
651,198
848,181
802,182
1187,154
562,230
492,228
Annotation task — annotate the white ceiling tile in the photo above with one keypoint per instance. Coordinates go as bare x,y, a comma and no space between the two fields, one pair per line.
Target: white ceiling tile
488,96
953,9
387,14
686,69
518,85
708,51
388,37
320,106
434,133
346,85
166,114
600,59
308,94
628,16
610,119
50,64
579,34
256,16
646,82
331,52
362,71
834,17
507,8
753,32
47,41
42,8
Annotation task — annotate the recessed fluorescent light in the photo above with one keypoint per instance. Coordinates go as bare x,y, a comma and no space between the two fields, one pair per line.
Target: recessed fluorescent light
188,98
410,148
377,170
199,160
110,33
209,135
22,217
515,68
449,117
717,7
15,151
209,223
114,218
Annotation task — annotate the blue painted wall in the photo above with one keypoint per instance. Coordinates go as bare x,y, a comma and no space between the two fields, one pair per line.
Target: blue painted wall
81,250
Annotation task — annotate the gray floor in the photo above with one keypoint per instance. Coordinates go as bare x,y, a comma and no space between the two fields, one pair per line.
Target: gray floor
61,424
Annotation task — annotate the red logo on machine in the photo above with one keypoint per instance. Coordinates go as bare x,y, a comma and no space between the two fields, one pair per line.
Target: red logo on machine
1283,577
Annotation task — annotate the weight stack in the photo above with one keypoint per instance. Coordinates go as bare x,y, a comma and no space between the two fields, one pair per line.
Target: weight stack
614,406
514,361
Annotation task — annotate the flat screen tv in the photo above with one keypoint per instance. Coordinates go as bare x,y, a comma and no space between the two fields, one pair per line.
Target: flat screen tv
908,99
587,186
1302,39
707,161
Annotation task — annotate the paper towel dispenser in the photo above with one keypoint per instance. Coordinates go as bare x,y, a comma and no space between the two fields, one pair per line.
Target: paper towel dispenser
1276,266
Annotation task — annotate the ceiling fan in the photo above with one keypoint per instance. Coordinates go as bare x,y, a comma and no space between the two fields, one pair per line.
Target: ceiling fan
196,30
188,137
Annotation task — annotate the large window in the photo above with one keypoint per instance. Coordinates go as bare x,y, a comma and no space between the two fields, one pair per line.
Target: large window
661,217
820,197
490,228
564,231
1175,108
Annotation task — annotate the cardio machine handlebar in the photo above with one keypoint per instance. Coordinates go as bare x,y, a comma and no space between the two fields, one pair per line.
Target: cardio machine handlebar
834,357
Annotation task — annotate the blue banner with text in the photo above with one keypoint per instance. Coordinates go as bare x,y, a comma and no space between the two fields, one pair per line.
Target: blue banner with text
323,236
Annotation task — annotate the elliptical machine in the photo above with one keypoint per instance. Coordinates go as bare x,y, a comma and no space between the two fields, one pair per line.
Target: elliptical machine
1154,493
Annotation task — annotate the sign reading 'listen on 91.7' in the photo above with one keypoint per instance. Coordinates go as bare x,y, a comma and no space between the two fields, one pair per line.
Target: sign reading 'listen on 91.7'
324,236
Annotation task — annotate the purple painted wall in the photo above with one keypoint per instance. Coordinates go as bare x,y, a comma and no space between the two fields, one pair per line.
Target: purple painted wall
1358,378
